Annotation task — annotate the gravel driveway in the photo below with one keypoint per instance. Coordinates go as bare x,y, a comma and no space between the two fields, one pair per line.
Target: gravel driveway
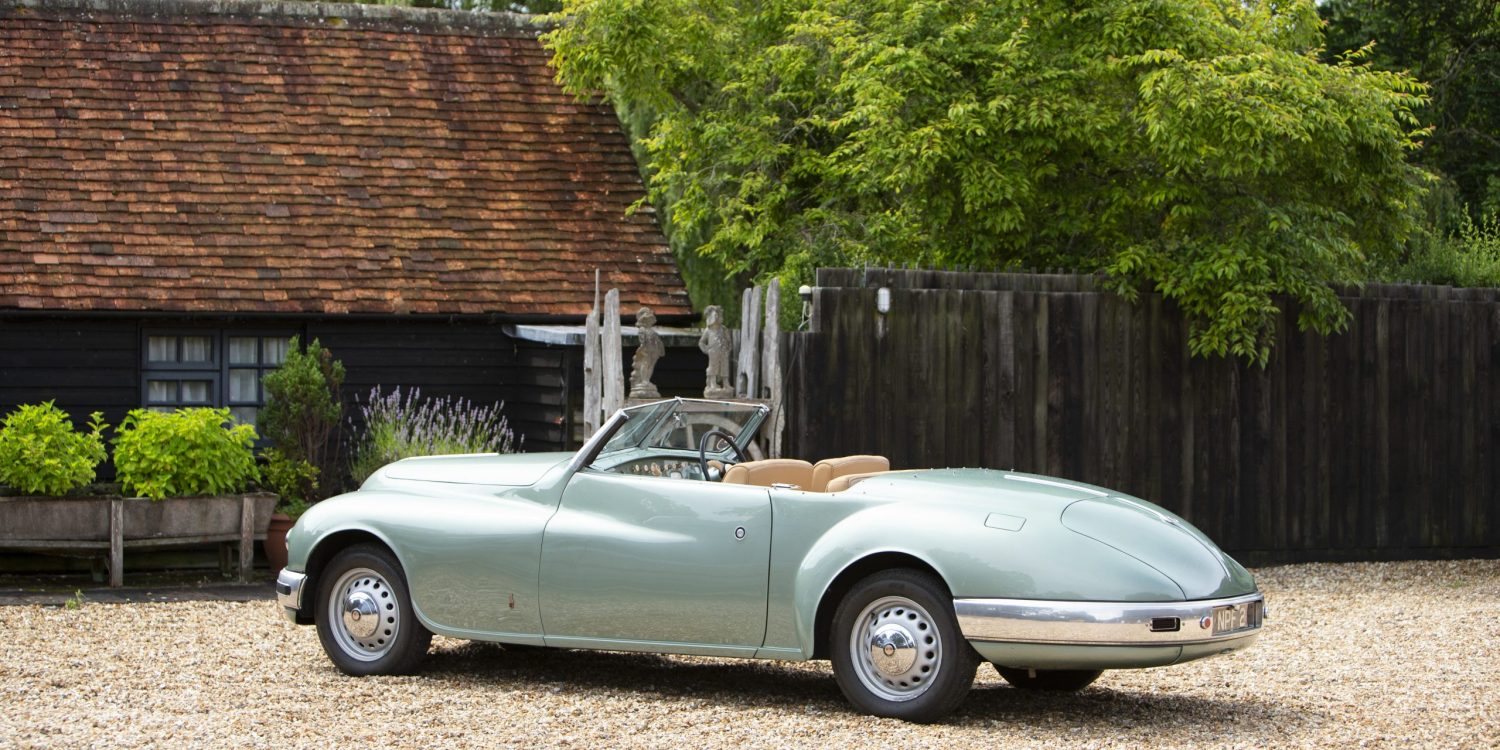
1383,654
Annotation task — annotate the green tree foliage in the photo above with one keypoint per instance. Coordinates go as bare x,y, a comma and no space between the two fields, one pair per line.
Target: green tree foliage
41,453
301,419
1454,47
1199,146
187,452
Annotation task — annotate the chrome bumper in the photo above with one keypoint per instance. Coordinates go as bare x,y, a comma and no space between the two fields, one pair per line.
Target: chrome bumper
1107,623
289,592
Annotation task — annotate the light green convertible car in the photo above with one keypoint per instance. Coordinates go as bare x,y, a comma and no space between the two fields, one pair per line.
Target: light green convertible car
660,535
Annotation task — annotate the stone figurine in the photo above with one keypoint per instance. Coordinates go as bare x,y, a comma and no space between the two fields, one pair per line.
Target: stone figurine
716,343
648,350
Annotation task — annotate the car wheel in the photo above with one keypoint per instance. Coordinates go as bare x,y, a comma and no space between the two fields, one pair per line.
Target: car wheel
1049,679
897,650
364,614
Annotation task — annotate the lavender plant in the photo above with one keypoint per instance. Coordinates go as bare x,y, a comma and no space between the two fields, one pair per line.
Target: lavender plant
394,426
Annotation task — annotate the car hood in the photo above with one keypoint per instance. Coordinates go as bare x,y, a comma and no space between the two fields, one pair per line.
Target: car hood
509,470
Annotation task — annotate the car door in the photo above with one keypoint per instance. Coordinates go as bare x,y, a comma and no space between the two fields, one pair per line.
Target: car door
649,563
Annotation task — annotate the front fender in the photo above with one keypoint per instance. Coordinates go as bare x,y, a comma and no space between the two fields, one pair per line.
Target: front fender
470,557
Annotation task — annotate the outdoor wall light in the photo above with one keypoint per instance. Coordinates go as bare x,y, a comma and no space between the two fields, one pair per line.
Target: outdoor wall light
883,300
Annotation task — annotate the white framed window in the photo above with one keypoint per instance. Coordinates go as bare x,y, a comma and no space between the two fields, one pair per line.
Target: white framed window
208,367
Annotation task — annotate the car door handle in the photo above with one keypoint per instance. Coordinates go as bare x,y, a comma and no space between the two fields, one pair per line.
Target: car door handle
739,532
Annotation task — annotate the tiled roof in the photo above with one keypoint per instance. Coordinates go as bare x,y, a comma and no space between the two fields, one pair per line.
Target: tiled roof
168,155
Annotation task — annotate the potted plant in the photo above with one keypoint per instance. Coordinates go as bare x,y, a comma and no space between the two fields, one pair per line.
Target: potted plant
293,481
301,420
186,474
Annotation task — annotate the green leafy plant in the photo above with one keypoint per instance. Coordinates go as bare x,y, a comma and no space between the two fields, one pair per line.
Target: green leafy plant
1469,256
1197,147
303,416
41,453
75,601
293,480
187,452
393,427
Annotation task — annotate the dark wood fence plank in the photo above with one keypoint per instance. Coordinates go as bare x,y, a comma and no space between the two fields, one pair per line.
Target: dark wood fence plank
1379,442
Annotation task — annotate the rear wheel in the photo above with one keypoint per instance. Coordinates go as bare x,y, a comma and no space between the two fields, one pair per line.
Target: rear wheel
364,614
897,650
1066,680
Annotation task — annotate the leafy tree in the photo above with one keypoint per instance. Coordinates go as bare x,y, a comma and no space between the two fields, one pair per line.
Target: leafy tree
1199,146
1453,46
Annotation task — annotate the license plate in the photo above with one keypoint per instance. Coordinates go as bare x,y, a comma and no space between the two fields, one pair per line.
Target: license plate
1238,617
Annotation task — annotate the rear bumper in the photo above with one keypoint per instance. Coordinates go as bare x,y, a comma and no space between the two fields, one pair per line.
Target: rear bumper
1110,623
289,585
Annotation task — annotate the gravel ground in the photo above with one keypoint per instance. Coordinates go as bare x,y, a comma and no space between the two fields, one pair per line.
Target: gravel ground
1370,654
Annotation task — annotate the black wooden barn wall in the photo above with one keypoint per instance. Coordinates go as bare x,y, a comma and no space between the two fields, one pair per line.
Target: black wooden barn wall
91,364
1380,442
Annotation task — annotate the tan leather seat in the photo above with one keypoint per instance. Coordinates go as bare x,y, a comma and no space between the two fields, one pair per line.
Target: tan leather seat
839,484
829,469
771,471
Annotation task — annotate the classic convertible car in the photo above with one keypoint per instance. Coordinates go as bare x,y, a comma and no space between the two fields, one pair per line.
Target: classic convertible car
661,535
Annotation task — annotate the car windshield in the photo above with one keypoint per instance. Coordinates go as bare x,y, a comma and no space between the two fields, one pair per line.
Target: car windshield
680,423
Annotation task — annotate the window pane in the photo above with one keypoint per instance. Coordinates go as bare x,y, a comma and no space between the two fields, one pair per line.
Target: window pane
161,348
197,349
195,391
276,349
244,385
161,391
242,351
244,414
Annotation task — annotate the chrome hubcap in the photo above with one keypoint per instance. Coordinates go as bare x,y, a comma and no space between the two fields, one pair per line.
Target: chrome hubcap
366,619
361,615
896,648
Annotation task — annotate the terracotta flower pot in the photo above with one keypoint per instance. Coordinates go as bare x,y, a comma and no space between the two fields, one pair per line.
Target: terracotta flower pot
276,541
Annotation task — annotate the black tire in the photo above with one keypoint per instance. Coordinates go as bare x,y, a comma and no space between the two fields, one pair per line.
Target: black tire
364,581
1063,680
903,608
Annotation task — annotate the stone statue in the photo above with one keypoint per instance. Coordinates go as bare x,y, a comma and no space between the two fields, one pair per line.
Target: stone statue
716,344
648,350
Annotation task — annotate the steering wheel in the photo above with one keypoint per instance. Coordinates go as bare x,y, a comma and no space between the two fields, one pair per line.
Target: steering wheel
703,450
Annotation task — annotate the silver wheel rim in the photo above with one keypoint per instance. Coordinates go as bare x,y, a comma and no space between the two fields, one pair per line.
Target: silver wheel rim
895,648
364,618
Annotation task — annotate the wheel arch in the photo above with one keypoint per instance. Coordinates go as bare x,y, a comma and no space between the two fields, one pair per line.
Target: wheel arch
323,551
852,574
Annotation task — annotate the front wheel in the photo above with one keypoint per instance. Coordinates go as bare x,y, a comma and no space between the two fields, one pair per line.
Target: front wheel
897,651
364,614
1066,680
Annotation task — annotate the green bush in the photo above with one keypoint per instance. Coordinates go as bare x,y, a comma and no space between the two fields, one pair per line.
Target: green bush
397,427
1469,256
41,453
303,414
186,452
293,480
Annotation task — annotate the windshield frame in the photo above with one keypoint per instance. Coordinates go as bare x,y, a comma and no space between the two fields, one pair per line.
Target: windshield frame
654,416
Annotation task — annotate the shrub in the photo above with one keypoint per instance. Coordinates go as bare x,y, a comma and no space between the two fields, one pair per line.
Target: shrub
397,427
1469,256
41,453
303,413
293,480
187,452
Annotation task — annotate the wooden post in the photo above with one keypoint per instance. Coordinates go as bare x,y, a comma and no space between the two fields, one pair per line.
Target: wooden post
770,368
613,393
247,537
116,542
747,377
592,382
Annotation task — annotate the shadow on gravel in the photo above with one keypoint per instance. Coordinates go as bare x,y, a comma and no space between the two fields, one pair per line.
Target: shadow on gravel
750,684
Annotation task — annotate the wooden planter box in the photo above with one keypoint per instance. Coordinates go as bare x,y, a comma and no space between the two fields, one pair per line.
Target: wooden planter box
114,523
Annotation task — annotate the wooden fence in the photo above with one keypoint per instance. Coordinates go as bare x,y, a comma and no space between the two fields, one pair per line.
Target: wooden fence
1377,443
